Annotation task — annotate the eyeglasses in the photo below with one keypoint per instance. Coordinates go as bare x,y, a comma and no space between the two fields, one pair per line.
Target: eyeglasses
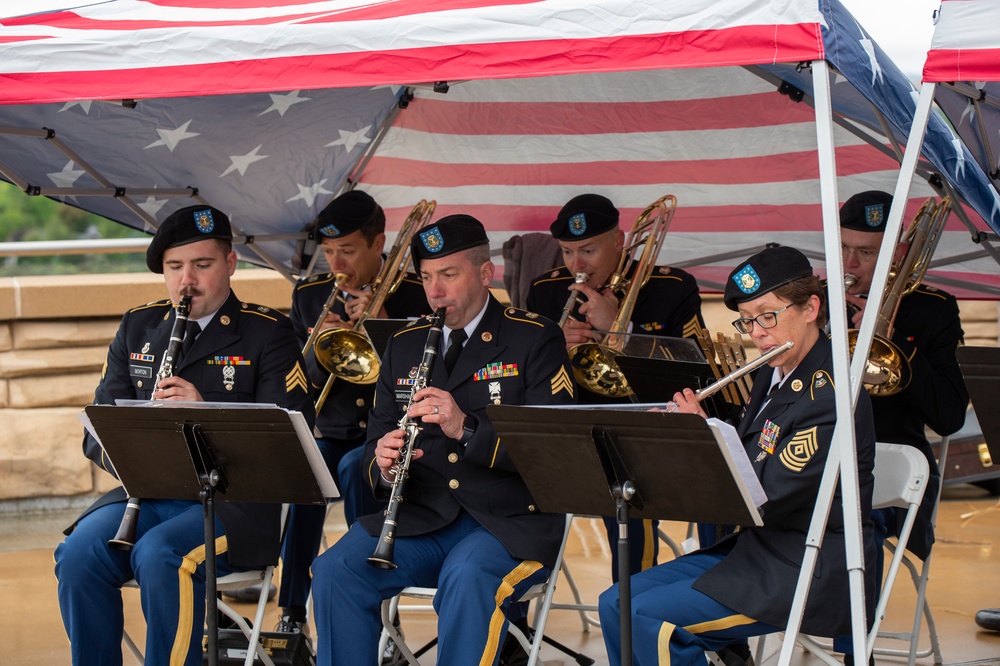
764,320
861,253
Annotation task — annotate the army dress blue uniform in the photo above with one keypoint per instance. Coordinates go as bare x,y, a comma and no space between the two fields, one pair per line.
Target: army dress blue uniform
341,423
668,305
928,331
743,586
468,525
247,353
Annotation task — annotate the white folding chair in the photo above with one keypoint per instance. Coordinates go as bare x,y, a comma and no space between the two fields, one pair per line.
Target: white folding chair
586,619
901,474
234,581
543,591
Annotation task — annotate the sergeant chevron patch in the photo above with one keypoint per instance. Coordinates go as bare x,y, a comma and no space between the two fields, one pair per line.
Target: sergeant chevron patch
692,329
799,450
562,381
296,378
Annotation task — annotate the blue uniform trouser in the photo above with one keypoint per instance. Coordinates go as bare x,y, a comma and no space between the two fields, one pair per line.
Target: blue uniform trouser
359,500
643,544
305,521
672,623
881,519
476,580
167,562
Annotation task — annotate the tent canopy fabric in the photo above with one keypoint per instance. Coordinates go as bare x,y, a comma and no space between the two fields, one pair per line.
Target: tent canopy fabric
964,61
268,112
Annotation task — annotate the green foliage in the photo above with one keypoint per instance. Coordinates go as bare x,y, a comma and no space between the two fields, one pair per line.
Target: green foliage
26,218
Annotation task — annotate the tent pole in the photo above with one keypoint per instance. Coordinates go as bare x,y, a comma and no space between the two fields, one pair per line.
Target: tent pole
842,450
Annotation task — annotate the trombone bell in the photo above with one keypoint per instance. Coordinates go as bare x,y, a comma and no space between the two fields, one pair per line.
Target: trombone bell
347,354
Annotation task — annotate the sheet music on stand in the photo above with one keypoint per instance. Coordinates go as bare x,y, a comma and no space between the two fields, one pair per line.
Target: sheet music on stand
304,434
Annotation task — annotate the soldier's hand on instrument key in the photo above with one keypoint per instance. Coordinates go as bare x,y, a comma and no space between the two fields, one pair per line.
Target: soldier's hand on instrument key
175,388
333,320
432,405
357,305
387,452
601,307
686,402
856,309
577,332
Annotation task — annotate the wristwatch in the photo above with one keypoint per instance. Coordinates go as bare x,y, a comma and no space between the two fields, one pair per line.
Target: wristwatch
468,429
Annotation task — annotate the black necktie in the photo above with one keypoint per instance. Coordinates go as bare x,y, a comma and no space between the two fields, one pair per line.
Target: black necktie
191,332
455,341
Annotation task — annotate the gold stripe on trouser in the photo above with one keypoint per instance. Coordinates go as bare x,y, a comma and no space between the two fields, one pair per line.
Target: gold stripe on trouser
667,630
648,545
520,572
185,589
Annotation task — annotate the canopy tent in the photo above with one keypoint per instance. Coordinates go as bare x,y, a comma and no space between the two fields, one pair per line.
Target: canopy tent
964,63
266,112
544,99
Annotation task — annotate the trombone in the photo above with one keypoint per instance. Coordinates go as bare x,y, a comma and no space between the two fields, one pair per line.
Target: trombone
594,363
346,353
887,370
338,281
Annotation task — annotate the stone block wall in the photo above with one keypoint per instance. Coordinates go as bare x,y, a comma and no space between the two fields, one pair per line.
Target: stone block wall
54,334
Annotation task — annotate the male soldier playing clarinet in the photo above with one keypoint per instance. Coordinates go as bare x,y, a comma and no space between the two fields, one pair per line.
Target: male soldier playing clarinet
240,353
468,526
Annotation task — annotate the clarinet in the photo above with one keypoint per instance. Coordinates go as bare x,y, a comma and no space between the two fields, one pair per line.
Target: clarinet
125,537
382,557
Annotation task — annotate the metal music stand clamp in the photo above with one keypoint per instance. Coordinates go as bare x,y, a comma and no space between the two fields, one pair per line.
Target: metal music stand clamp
196,451
617,462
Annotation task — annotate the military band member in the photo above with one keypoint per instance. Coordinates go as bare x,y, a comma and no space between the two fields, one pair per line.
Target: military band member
352,229
928,331
588,232
743,585
243,353
468,526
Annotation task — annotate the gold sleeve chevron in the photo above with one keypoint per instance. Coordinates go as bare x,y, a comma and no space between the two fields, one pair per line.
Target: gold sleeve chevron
692,329
800,450
562,381
296,378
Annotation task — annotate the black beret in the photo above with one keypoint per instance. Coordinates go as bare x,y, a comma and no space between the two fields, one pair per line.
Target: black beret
584,216
346,214
450,234
867,211
187,225
764,272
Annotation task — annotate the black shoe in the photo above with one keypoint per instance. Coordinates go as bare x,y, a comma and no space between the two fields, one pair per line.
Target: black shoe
249,595
737,654
512,653
989,618
849,660
290,625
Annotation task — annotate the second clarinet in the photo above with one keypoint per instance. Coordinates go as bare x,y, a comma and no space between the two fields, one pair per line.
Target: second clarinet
124,539
382,558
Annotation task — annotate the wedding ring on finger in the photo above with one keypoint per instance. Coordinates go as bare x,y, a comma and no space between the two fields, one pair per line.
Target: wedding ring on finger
436,409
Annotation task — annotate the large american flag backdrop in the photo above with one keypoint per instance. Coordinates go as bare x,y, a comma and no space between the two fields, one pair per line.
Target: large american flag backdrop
500,109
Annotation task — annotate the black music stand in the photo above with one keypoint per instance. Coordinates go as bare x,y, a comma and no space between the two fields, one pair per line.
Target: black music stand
193,451
380,330
613,462
981,369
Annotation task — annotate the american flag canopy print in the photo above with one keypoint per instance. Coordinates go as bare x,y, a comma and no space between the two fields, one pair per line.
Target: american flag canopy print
503,110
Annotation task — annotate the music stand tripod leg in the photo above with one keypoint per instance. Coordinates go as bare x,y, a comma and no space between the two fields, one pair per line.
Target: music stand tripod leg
211,482
625,495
